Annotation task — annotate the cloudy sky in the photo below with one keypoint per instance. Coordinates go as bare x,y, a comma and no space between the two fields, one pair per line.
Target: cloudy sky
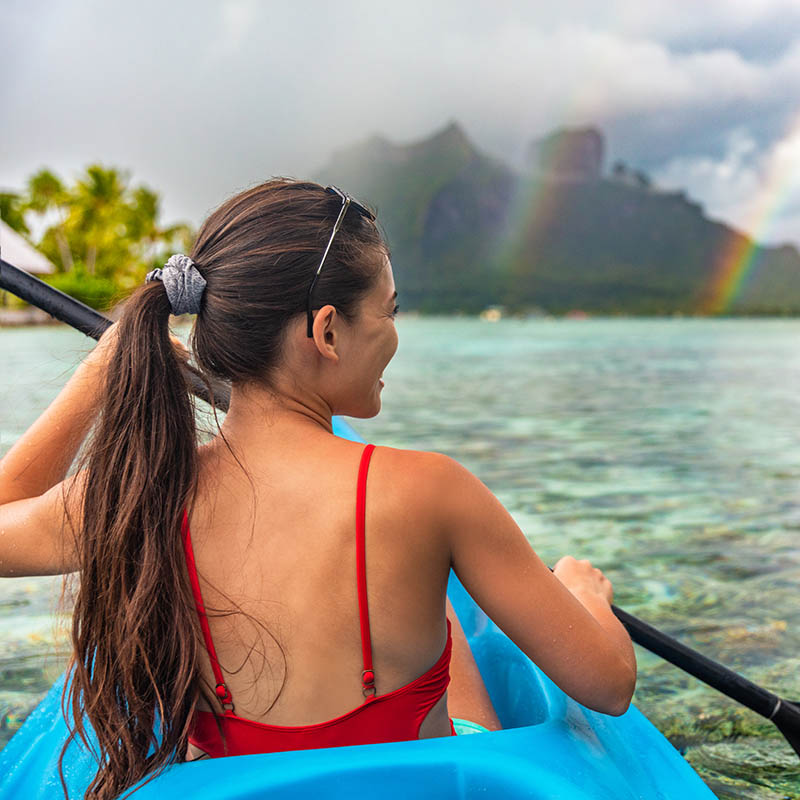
201,98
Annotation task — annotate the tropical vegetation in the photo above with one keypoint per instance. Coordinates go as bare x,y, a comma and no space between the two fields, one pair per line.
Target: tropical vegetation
102,233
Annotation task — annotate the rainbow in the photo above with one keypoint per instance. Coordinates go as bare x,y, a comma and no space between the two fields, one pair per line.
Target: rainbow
740,255
539,201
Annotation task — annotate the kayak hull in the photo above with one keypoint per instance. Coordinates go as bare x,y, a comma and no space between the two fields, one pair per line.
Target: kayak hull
551,747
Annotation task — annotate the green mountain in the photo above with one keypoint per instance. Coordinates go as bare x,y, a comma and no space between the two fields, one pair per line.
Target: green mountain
467,231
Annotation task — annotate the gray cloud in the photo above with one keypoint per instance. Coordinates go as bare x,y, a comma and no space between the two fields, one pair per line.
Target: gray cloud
202,98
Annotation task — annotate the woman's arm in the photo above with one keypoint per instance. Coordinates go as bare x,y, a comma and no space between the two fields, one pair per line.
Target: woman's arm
562,620
32,514
43,454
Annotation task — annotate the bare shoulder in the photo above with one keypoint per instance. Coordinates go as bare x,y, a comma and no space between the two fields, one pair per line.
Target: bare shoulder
433,484
405,487
422,459
420,471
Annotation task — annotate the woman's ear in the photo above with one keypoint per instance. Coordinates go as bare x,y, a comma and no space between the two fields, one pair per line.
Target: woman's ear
325,331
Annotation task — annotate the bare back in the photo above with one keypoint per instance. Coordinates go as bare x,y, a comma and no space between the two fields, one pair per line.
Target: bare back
281,547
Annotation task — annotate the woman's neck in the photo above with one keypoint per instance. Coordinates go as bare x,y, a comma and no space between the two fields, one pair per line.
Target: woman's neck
257,412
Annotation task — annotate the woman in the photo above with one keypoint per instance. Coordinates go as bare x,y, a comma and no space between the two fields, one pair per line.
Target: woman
276,587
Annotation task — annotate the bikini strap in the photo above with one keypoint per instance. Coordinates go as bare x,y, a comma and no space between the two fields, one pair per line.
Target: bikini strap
221,690
368,674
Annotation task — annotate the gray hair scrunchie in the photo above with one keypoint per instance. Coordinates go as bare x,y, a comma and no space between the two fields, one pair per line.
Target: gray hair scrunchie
183,283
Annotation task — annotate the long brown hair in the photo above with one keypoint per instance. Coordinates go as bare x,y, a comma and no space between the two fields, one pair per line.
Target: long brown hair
136,646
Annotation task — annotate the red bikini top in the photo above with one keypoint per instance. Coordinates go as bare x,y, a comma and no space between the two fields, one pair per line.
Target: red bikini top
392,717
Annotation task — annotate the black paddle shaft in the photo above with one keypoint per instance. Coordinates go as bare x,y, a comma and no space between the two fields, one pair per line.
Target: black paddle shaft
67,309
57,304
785,714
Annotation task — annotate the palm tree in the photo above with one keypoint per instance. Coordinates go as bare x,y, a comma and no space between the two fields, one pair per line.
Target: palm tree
97,213
46,195
12,212
103,234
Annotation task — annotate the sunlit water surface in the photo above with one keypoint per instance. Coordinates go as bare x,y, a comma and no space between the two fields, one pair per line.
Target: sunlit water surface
667,451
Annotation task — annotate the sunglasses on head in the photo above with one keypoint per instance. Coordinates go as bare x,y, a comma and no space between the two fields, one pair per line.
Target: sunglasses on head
347,202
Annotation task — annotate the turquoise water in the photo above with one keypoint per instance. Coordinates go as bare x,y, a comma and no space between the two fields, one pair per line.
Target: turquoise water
667,451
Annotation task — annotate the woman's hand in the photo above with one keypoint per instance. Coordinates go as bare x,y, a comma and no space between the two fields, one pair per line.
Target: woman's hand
580,577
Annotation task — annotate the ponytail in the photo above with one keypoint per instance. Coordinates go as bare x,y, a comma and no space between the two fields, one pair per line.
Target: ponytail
135,643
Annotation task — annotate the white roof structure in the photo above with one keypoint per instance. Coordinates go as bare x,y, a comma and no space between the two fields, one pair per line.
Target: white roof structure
15,250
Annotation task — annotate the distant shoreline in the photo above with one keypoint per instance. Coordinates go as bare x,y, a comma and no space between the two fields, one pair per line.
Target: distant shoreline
25,317
35,317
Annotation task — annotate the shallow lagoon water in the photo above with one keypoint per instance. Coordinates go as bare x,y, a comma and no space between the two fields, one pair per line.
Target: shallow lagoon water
667,451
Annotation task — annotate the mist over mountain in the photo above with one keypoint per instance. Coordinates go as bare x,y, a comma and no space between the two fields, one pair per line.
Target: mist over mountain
467,231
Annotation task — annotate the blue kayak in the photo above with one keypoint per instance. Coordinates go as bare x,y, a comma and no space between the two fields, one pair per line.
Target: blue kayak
551,747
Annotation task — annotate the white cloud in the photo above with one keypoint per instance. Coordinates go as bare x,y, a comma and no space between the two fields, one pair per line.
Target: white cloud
237,17
200,98
725,185
756,191
779,191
